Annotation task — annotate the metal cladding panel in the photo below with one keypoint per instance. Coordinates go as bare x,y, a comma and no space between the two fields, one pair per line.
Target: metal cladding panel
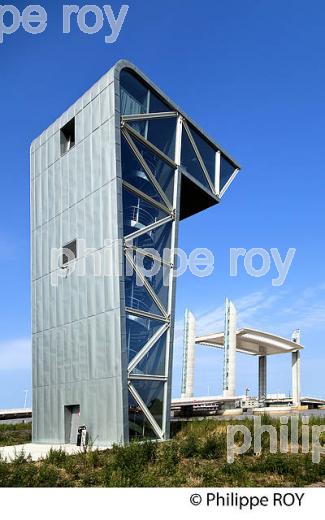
76,316
99,396
100,404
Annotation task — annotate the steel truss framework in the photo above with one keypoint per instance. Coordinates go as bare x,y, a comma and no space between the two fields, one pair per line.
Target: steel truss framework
142,405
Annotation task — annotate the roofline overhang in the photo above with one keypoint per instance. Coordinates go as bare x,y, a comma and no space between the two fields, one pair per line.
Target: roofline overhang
254,336
115,71
125,64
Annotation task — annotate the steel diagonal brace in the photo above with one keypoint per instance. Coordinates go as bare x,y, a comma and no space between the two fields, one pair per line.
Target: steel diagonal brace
199,157
147,347
146,411
146,284
146,168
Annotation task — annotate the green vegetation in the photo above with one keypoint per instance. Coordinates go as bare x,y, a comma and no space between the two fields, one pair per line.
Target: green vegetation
15,434
196,456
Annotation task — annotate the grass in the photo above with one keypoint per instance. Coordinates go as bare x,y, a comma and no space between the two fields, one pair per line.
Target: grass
15,434
196,456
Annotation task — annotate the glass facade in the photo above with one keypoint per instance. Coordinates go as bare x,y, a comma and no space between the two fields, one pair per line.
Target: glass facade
154,361
227,169
137,98
148,220
134,172
157,145
207,152
139,330
160,132
190,161
139,426
138,212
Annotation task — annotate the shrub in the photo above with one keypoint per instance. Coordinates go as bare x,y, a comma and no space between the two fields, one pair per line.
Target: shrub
189,447
236,474
48,475
279,463
128,464
21,458
214,447
4,472
168,458
93,458
56,457
22,475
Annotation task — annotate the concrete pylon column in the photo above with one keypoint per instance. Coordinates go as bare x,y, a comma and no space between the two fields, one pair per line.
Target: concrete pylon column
188,355
295,366
229,365
296,377
262,378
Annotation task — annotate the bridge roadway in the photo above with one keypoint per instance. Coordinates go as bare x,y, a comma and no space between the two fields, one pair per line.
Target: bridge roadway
15,415
193,406
203,406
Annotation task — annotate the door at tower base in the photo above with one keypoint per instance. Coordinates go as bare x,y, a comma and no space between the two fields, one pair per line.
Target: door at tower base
106,195
71,423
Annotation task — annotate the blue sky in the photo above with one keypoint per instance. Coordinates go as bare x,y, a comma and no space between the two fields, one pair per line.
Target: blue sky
252,74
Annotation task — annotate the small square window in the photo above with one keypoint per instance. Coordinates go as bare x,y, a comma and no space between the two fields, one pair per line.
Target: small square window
69,252
68,136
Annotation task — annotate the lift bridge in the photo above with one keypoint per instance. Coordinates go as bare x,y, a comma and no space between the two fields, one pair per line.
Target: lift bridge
248,341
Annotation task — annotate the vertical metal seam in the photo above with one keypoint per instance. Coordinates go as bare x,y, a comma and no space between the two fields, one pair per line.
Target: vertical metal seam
177,178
